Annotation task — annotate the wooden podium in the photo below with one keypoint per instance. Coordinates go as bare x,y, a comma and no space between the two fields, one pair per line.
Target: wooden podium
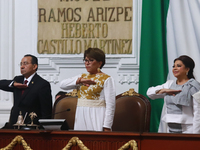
57,140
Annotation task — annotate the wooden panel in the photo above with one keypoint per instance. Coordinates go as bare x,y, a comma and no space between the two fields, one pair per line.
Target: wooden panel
56,140
166,141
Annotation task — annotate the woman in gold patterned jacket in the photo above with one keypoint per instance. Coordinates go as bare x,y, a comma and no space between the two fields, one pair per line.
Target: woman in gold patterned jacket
96,94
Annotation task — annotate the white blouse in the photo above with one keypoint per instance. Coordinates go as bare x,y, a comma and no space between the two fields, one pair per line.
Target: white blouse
93,118
190,114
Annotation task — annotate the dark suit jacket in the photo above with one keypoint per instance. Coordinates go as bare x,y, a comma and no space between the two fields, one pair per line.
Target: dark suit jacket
36,98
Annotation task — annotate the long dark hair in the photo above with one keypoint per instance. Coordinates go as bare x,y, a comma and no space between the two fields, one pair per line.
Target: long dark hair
189,63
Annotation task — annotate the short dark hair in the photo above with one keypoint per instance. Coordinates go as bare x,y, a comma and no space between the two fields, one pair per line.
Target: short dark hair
189,63
97,54
34,59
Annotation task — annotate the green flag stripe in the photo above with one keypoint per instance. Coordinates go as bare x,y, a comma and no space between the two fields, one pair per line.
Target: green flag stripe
153,53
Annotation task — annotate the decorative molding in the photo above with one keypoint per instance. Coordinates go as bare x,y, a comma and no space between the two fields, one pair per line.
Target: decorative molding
128,68
128,78
53,64
49,68
51,77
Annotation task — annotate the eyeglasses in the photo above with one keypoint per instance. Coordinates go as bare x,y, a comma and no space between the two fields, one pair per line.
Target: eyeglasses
88,60
24,63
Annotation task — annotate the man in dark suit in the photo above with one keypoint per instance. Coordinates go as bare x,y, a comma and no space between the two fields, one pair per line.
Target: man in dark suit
34,96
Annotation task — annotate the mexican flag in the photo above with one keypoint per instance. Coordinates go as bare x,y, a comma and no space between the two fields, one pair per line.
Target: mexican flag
170,28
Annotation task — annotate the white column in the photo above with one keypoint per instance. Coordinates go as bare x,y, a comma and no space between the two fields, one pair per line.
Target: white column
6,56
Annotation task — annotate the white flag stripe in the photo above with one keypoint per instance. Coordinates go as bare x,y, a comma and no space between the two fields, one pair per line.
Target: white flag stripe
183,37
183,32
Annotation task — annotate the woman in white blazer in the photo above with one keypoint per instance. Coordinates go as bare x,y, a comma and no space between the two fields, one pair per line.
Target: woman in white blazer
182,110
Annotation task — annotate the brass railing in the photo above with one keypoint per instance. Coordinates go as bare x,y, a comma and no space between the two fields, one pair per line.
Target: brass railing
17,140
74,141
131,144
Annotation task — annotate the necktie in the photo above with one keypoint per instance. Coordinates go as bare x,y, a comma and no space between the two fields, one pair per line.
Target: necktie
25,82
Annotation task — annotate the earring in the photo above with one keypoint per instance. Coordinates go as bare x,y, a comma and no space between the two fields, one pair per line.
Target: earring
186,73
98,70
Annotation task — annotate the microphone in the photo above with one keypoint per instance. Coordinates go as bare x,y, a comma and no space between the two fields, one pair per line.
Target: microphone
61,111
50,122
